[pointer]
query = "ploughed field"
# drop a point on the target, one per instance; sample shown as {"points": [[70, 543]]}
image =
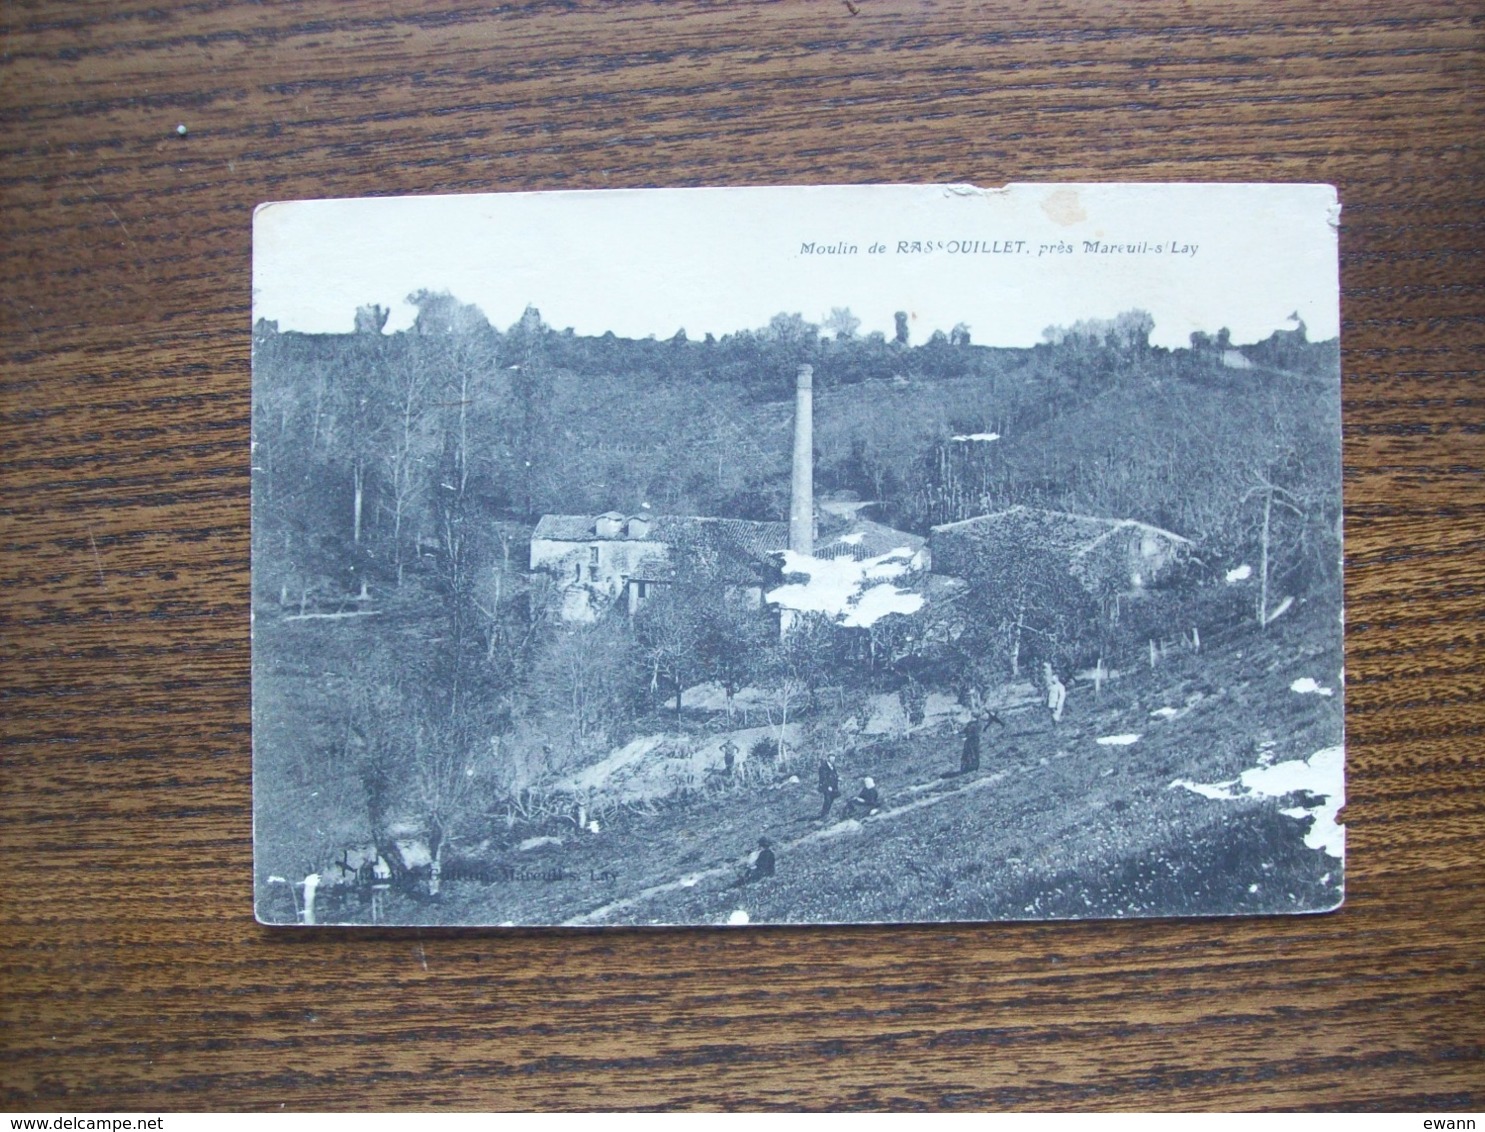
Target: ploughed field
{"points": [[1055, 824]]}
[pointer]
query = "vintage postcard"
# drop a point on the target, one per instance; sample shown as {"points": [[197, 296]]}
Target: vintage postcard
{"points": [[797, 555]]}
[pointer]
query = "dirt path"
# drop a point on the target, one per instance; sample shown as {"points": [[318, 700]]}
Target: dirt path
{"points": [[836, 829]]}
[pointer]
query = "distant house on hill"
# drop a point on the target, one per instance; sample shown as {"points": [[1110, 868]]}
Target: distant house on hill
{"points": [[595, 562], [1109, 557]]}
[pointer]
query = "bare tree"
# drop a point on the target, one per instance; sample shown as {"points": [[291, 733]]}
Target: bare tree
{"points": [[1273, 496], [785, 689], [443, 783], [669, 627], [371, 318], [583, 677], [1289, 475], [357, 431], [405, 455], [842, 323], [732, 636]]}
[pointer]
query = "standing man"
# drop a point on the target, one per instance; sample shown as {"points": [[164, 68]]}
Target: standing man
{"points": [[1056, 693], [729, 757], [969, 759], [829, 787]]}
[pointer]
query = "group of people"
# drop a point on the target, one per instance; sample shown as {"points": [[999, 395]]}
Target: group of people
{"points": [[761, 862], [868, 800]]}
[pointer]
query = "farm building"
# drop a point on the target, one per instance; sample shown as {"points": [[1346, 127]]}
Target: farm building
{"points": [[850, 575], [596, 562], [1108, 557]]}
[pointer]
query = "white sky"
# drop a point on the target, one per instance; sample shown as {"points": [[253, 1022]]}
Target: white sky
{"points": [[641, 262]]}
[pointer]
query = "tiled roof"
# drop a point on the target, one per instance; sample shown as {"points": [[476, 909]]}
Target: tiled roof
{"points": [[565, 528], [743, 535], [865, 539]]}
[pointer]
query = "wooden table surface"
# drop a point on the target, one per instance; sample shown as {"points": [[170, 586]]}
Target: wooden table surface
{"points": [[132, 975]]}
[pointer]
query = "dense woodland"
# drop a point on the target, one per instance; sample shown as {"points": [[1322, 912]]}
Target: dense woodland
{"points": [[371, 448], [400, 474]]}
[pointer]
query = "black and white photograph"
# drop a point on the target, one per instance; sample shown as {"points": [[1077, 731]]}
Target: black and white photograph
{"points": [[871, 554]]}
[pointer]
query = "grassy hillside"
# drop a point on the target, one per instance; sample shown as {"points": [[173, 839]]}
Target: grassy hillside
{"points": [[1054, 825], [419, 699]]}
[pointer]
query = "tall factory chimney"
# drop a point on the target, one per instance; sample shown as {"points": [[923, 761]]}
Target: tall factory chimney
{"points": [[802, 485]]}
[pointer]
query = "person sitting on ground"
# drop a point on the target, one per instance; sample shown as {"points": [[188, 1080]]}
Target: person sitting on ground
{"points": [[829, 787], [869, 801], [760, 863]]}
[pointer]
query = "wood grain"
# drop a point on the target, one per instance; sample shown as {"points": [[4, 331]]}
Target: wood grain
{"points": [[131, 973]]}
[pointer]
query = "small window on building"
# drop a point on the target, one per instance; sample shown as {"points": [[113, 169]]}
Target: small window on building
{"points": [[592, 556], [644, 590], [577, 573]]}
